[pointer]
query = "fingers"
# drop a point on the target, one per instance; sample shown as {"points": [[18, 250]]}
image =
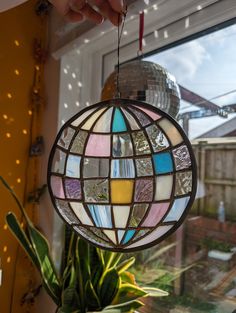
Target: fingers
{"points": [[110, 9], [86, 11], [106, 10], [73, 16], [117, 5]]}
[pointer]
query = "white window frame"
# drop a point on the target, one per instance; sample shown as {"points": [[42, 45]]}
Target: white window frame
{"points": [[97, 57]]}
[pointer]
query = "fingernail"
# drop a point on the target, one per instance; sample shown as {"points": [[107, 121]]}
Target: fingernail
{"points": [[102, 20]]}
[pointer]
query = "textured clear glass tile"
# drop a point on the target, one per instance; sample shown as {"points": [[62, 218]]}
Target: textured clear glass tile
{"points": [[163, 163], [118, 123], [90, 236], [128, 236], [181, 158], [98, 232], [58, 163], [141, 233], [156, 213], [92, 119], [73, 166], [177, 209], [66, 137], [122, 168], [95, 167], [183, 183], [121, 215], [171, 131], [96, 190], [72, 188], [98, 145], [103, 125], [122, 145], [143, 190], [66, 212], [82, 117], [138, 212], [140, 143], [150, 113], [57, 187], [144, 167], [101, 215], [132, 122], [78, 142], [158, 139], [164, 185], [81, 213], [143, 119], [154, 235]]}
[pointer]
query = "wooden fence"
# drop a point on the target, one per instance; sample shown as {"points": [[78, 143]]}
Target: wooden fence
{"points": [[216, 159]]}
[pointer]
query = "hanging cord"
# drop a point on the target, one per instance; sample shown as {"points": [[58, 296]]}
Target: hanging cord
{"points": [[141, 31], [120, 32]]}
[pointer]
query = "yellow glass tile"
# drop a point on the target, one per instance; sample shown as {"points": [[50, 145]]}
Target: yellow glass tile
{"points": [[121, 191]]}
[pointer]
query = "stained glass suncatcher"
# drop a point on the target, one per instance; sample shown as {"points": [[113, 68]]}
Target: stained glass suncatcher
{"points": [[122, 174]]}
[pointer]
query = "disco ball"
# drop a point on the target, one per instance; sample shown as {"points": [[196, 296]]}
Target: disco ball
{"points": [[122, 174], [145, 81]]}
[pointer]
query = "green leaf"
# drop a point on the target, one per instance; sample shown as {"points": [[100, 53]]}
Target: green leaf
{"points": [[108, 286], [83, 255], [22, 238], [124, 307], [41, 249], [127, 277], [47, 268], [155, 292], [128, 292], [122, 267], [96, 266], [91, 296]]}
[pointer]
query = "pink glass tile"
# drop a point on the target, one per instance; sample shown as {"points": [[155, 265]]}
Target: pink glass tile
{"points": [[156, 213], [57, 188], [143, 190], [98, 145], [153, 115]]}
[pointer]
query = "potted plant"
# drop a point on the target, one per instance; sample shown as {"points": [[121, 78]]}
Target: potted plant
{"points": [[90, 279]]}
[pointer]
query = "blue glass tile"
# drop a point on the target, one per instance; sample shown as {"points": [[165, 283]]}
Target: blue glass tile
{"points": [[128, 236], [163, 163], [101, 215], [118, 124], [177, 209], [73, 166], [122, 168], [120, 234]]}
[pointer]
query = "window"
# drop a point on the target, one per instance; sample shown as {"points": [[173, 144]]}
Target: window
{"points": [[195, 41]]}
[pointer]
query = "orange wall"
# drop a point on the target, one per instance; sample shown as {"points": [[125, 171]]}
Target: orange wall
{"points": [[18, 28]]}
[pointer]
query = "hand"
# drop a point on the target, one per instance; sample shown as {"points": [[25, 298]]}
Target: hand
{"points": [[77, 10]]}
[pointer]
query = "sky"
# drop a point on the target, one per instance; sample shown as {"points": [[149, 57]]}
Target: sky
{"points": [[207, 66]]}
